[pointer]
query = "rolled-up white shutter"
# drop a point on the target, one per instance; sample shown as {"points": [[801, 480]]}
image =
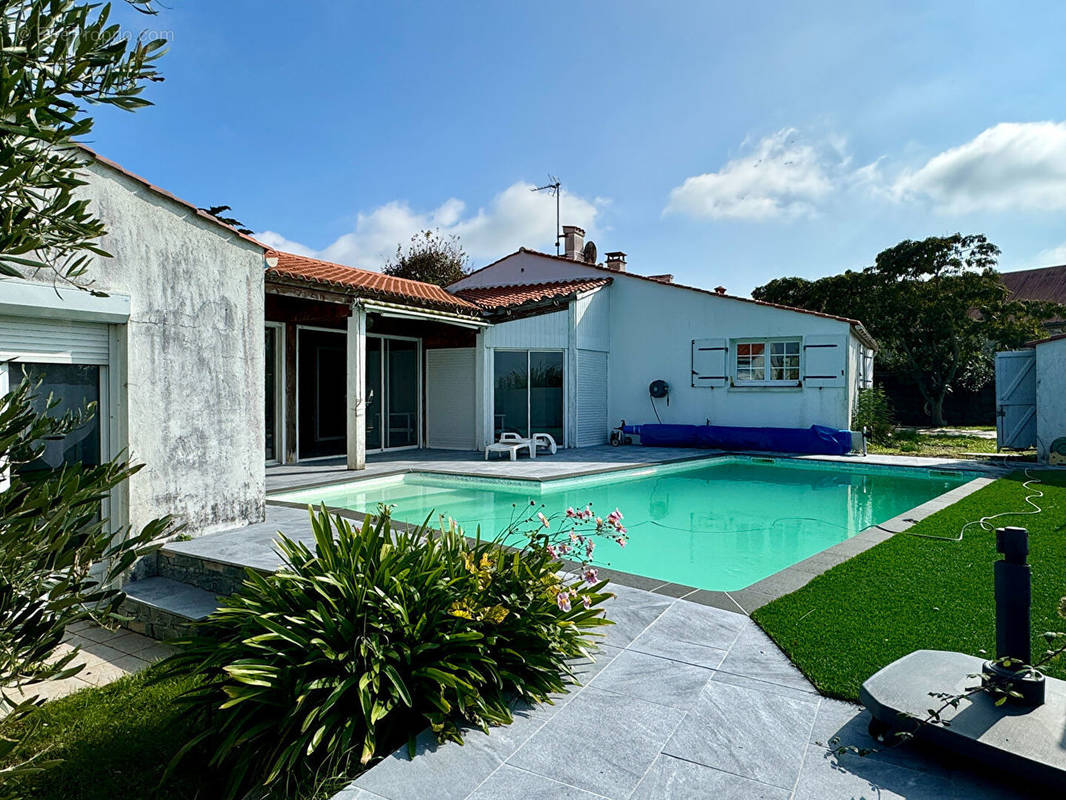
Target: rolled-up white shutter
{"points": [[824, 360], [53, 341], [591, 398], [710, 364], [450, 418]]}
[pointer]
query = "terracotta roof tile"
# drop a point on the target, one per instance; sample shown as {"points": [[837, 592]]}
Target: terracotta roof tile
{"points": [[303, 268], [496, 297]]}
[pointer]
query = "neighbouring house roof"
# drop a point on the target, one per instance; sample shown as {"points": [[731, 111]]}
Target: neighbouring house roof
{"points": [[164, 193], [1057, 337], [364, 282], [1047, 284], [493, 298], [857, 327]]}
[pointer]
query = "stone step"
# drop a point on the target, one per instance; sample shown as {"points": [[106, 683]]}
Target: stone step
{"points": [[217, 577], [164, 608]]}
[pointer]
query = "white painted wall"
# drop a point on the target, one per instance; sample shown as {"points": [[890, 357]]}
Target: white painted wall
{"points": [[1050, 395], [193, 355]]}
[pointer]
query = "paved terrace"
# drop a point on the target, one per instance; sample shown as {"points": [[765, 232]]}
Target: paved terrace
{"points": [[685, 701]]}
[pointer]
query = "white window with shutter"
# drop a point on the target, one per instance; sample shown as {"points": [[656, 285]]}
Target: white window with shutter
{"points": [[824, 360], [710, 359]]}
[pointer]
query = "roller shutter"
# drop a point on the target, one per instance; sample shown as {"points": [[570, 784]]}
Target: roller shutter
{"points": [[591, 398], [53, 341], [450, 415]]}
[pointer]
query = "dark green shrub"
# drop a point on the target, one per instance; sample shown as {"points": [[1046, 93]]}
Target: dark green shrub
{"points": [[355, 646], [874, 412]]}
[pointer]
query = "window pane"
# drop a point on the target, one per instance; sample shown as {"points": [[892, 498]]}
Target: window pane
{"points": [[373, 393], [322, 365], [743, 350], [511, 384], [792, 347], [757, 348], [777, 347], [401, 376], [546, 394], [74, 385]]}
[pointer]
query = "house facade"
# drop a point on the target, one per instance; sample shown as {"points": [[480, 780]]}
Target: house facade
{"points": [[173, 355]]}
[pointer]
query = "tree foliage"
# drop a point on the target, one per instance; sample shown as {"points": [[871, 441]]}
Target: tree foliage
{"points": [[219, 213], [59, 555], [58, 57], [937, 308], [430, 257]]}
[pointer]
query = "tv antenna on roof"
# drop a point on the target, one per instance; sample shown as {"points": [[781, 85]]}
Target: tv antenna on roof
{"points": [[556, 188]]}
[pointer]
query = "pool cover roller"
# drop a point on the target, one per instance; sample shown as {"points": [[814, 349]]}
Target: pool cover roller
{"points": [[815, 440]]}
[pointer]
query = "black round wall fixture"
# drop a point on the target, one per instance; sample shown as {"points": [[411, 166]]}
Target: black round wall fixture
{"points": [[659, 389]]}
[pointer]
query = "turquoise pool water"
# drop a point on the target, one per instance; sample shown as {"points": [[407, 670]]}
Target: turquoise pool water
{"points": [[719, 525]]}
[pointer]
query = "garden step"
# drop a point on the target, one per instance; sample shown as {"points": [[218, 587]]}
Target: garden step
{"points": [[164, 608], [216, 577]]}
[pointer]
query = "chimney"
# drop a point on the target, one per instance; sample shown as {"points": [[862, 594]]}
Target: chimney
{"points": [[662, 278], [616, 261], [574, 241]]}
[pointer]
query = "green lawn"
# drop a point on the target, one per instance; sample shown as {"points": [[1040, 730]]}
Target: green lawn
{"points": [[910, 593], [912, 443], [116, 741]]}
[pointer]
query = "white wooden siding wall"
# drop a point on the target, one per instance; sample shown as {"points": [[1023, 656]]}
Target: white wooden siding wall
{"points": [[546, 331], [591, 398], [451, 398], [593, 314], [53, 341]]}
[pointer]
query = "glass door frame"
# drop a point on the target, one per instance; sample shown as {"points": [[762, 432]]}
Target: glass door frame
{"points": [[340, 332], [279, 391], [529, 412], [382, 388]]}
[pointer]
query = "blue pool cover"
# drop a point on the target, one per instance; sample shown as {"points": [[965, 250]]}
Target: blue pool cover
{"points": [[815, 440]]}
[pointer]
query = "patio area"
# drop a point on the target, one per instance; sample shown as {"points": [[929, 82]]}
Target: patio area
{"points": [[684, 702]]}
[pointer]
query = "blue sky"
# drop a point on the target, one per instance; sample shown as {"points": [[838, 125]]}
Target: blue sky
{"points": [[726, 143]]}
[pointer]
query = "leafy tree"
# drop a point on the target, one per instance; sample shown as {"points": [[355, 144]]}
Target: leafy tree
{"points": [[58, 57], [59, 556], [937, 308], [430, 257], [219, 213]]}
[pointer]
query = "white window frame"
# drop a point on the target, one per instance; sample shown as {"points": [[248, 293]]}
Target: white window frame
{"points": [[529, 413], [766, 342]]}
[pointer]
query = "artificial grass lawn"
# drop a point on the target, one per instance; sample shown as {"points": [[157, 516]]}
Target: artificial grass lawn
{"points": [[116, 742], [909, 593]]}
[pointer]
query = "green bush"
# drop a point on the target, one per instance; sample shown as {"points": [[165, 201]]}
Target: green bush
{"points": [[357, 645], [873, 411]]}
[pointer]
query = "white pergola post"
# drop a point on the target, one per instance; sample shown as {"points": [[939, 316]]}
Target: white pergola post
{"points": [[355, 388]]}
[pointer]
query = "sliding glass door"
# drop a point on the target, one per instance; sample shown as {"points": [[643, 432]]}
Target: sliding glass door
{"points": [[393, 392], [321, 368], [528, 392]]}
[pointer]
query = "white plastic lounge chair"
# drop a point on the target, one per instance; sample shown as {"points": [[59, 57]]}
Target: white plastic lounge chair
{"points": [[545, 440], [511, 443]]}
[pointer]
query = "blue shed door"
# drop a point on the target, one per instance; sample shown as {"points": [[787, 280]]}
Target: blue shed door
{"points": [[1016, 399]]}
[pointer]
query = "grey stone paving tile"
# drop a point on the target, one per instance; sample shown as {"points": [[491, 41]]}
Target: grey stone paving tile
{"points": [[750, 599], [754, 655], [601, 742], [355, 793], [824, 777], [511, 783], [631, 611], [657, 680], [675, 779], [719, 600], [753, 734], [170, 595], [763, 686], [672, 590], [692, 633], [444, 772], [783, 582]]}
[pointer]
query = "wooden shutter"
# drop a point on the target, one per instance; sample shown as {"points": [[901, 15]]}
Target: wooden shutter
{"points": [[710, 362], [824, 360]]}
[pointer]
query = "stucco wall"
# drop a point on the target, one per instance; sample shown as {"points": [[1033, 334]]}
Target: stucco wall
{"points": [[194, 355], [1050, 394]]}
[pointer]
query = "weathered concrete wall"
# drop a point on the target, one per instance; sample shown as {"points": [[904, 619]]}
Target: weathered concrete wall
{"points": [[194, 355], [1050, 395]]}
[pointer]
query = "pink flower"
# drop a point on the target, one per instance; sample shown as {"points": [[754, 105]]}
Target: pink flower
{"points": [[591, 575], [573, 537], [589, 547], [586, 601], [543, 519], [614, 517], [563, 601], [551, 551], [621, 541], [570, 512], [622, 530]]}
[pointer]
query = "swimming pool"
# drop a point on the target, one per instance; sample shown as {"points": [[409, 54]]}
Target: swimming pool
{"points": [[719, 524]]}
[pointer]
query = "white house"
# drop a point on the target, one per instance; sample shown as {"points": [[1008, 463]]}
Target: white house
{"points": [[173, 354], [728, 360]]}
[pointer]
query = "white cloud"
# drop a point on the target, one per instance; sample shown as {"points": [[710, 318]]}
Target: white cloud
{"points": [[780, 176], [1010, 166], [1052, 256], [516, 217]]}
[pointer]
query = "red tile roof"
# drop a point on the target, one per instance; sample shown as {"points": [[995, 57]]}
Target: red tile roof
{"points": [[386, 287], [496, 297], [859, 329], [1047, 284]]}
